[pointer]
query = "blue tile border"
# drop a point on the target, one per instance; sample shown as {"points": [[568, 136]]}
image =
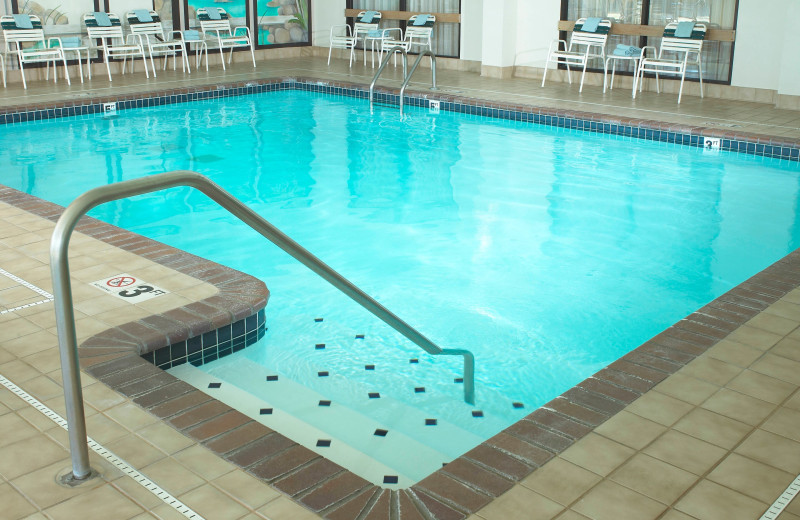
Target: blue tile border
{"points": [[212, 345], [764, 146]]}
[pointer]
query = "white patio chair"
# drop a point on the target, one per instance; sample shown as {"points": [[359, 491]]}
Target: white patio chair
{"points": [[366, 21], [588, 42], [24, 38], [681, 46], [216, 27], [107, 28], [342, 38], [147, 23]]}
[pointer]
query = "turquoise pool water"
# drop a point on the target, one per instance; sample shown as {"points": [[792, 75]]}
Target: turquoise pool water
{"points": [[547, 252]]}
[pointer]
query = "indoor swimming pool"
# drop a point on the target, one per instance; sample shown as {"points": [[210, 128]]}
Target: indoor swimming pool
{"points": [[547, 252]]}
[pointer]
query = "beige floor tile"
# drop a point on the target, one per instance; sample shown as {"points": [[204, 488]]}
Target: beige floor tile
{"points": [[793, 507], [14, 505], [597, 454], [734, 353], [135, 450], [752, 478], [687, 389], [104, 430], [788, 348], [165, 438], [44, 361], [251, 492], [210, 502], [167, 512], [42, 388], [786, 308], [41, 488], [713, 428], [283, 508], [611, 501], [740, 407], [203, 462], [31, 344], [710, 501], [773, 450], [98, 504], [571, 515], [712, 370], [779, 368], [672, 514], [172, 476], [15, 328], [793, 402], [561, 481], [130, 416], [784, 422], [654, 478], [520, 501], [29, 455], [13, 429], [761, 386], [101, 397], [773, 323], [755, 337], [18, 372], [139, 494], [630, 429], [685, 452]]}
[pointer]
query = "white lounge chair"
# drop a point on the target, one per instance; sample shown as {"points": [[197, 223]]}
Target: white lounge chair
{"points": [[588, 42], [216, 27], [24, 38], [147, 23], [681, 46], [418, 35], [365, 22], [107, 28]]}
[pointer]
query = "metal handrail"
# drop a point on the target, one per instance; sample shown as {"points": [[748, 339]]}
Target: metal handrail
{"points": [[411, 73], [65, 315], [396, 48]]}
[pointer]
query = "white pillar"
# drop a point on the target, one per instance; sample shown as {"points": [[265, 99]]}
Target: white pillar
{"points": [[499, 45]]}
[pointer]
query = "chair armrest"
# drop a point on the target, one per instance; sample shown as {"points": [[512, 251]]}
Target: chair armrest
{"points": [[246, 30], [558, 46], [348, 30], [134, 37], [644, 51]]}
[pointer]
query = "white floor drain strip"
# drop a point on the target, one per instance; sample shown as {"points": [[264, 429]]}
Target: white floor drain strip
{"points": [[48, 297], [782, 501], [109, 456]]}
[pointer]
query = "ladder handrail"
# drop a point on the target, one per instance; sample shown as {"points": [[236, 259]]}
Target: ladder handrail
{"points": [[65, 316], [396, 48], [411, 73]]}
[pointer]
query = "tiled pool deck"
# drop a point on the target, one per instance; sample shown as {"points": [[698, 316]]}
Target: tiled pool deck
{"points": [[700, 422]]}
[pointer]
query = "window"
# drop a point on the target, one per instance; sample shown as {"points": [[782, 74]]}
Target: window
{"points": [[446, 35], [717, 14]]}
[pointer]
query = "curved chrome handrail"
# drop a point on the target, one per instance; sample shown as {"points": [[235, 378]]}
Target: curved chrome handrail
{"points": [[65, 313], [396, 48], [411, 73]]}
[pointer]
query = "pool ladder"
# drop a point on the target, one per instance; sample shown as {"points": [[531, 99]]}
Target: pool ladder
{"points": [[65, 312], [406, 75]]}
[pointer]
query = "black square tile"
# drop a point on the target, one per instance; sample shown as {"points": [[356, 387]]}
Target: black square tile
{"points": [[390, 479], [359, 336], [272, 378], [319, 346], [323, 443], [458, 380], [265, 411], [419, 390], [477, 413], [324, 373], [369, 367], [413, 361], [518, 405], [324, 402], [430, 422], [374, 395], [318, 320], [380, 432], [214, 385]]}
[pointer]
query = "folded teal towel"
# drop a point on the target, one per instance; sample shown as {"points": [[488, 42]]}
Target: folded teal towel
{"points": [[23, 21], [684, 30], [421, 19], [590, 25], [69, 42], [368, 16], [191, 34], [143, 15], [626, 50], [213, 13], [102, 19]]}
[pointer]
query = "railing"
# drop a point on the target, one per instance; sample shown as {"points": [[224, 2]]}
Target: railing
{"points": [[65, 313], [406, 74], [382, 66], [411, 73]]}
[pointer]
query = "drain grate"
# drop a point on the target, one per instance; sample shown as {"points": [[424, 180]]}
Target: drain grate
{"points": [[782, 501], [109, 456]]}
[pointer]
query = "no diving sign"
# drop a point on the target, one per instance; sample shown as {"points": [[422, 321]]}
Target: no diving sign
{"points": [[129, 288]]}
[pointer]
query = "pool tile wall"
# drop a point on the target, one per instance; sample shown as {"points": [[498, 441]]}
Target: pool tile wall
{"points": [[696, 136]]}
